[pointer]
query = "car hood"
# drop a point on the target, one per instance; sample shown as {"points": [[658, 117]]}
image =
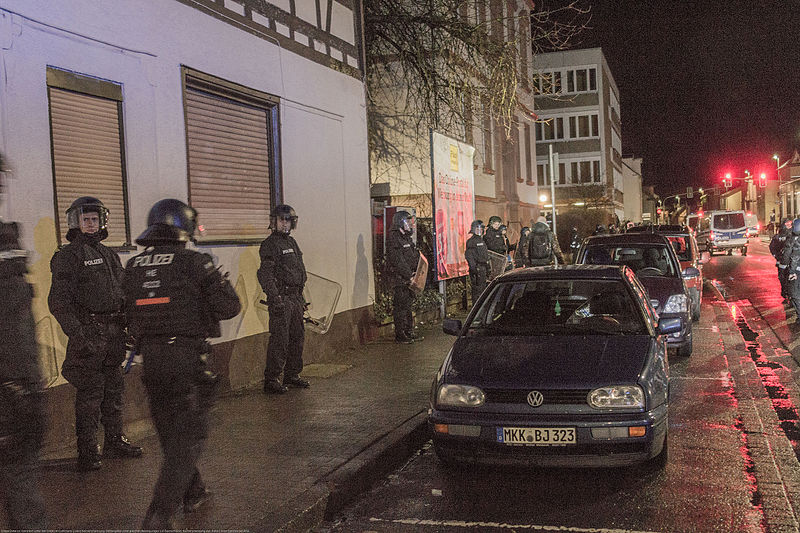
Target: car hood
{"points": [[662, 287], [560, 361]]}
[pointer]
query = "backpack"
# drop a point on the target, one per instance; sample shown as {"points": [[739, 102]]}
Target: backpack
{"points": [[539, 246]]}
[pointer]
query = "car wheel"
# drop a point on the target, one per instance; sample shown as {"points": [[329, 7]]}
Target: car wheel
{"points": [[685, 350], [696, 312]]}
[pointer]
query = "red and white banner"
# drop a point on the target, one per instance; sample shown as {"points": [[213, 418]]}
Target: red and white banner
{"points": [[453, 203]]}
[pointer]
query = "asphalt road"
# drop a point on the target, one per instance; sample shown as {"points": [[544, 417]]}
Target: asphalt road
{"points": [[733, 445]]}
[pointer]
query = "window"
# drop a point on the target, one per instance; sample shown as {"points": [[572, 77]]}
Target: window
{"points": [[582, 172], [88, 148], [541, 175], [562, 174], [550, 129], [584, 126], [582, 80], [528, 162], [547, 82], [488, 154], [233, 154]]}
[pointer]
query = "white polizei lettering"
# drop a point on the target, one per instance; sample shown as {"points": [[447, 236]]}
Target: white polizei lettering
{"points": [[406, 246], [480, 244], [92, 262], [289, 251], [500, 525], [151, 284], [153, 260]]}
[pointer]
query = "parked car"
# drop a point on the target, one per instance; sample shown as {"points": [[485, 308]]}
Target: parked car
{"points": [[685, 246], [556, 366], [753, 226], [722, 231], [654, 261]]}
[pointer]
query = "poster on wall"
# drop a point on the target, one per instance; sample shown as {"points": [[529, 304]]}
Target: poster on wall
{"points": [[453, 203]]}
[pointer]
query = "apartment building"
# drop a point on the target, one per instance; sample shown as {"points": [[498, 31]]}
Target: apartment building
{"points": [[577, 102]]}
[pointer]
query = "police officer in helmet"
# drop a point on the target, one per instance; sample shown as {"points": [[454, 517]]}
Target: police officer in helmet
{"points": [[175, 299], [282, 276], [87, 300], [477, 257], [23, 419], [402, 258], [791, 258]]}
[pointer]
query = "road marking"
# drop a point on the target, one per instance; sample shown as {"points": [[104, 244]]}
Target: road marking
{"points": [[499, 525]]}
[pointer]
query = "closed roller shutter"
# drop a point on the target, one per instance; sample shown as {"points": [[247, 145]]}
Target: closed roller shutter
{"points": [[87, 157], [229, 165]]}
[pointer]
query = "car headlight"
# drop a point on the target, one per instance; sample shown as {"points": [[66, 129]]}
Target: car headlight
{"points": [[676, 304], [460, 396], [619, 397]]}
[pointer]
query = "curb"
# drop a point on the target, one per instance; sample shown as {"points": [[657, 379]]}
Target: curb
{"points": [[331, 494]]}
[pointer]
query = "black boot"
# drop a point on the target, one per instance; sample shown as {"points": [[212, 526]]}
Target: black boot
{"points": [[296, 381], [273, 386], [155, 521], [89, 457], [119, 446]]}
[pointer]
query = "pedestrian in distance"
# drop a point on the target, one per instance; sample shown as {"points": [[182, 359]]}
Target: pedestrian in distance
{"points": [[574, 244], [521, 255], [282, 276], [22, 423], [175, 300], [776, 244], [402, 259], [478, 259], [599, 230], [87, 300], [543, 248]]}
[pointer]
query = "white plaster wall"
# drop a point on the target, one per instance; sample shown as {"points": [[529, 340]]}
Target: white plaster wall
{"points": [[142, 45]]}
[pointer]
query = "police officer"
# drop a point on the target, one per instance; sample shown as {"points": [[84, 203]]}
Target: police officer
{"points": [[495, 240], [402, 259], [776, 244], [543, 247], [574, 243], [282, 276], [175, 299], [791, 258], [478, 259], [521, 254], [22, 417], [86, 298]]}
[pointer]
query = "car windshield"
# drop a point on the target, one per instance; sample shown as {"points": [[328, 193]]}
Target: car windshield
{"points": [[680, 243], [729, 221], [643, 259], [559, 307]]}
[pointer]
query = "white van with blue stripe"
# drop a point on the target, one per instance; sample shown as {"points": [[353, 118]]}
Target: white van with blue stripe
{"points": [[721, 231]]}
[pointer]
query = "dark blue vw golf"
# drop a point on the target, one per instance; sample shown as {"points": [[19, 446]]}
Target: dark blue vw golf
{"points": [[556, 366]]}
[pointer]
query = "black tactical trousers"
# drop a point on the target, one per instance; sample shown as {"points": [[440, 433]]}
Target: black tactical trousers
{"points": [[478, 280], [286, 339], [180, 415], [21, 435], [403, 319], [98, 398], [782, 278]]}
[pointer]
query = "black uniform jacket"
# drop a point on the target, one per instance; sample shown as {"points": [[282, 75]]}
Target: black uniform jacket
{"points": [[172, 291], [282, 270], [477, 255], [402, 258], [496, 241]]}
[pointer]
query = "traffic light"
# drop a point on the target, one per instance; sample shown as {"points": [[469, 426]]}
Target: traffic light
{"points": [[727, 181], [762, 180], [658, 211]]}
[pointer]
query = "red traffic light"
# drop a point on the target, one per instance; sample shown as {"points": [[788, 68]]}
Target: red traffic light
{"points": [[762, 180], [727, 181], [658, 211]]}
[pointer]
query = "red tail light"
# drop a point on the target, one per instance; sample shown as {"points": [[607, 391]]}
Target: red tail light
{"points": [[711, 235]]}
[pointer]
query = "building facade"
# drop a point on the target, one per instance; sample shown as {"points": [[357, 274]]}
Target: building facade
{"points": [[789, 187], [233, 106], [504, 176], [578, 106], [632, 185]]}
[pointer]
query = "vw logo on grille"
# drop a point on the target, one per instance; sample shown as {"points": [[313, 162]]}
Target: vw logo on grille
{"points": [[535, 398]]}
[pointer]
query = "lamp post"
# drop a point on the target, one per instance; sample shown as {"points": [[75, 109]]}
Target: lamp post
{"points": [[777, 159]]}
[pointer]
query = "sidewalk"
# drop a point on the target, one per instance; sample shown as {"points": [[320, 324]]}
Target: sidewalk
{"points": [[274, 462]]}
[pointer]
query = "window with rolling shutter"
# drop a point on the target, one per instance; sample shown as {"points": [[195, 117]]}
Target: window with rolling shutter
{"points": [[231, 140], [87, 146]]}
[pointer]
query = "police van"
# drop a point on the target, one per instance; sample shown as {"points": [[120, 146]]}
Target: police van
{"points": [[720, 231]]}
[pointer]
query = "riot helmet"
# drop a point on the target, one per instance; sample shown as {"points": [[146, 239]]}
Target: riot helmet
{"points": [[524, 231], [477, 227], [170, 221], [283, 212], [796, 226], [81, 206], [503, 229], [495, 220], [404, 221]]}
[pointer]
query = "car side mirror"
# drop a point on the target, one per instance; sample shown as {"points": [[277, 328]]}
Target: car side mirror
{"points": [[451, 326], [669, 325], [690, 272]]}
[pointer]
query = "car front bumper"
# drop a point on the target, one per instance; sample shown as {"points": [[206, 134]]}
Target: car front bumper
{"points": [[592, 447]]}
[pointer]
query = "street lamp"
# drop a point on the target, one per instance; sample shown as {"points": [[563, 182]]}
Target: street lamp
{"points": [[542, 198], [777, 159]]}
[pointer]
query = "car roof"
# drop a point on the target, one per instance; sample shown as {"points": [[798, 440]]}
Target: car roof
{"points": [[628, 238], [566, 272]]}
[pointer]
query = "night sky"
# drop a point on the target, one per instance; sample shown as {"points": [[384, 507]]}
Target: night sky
{"points": [[706, 86]]}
